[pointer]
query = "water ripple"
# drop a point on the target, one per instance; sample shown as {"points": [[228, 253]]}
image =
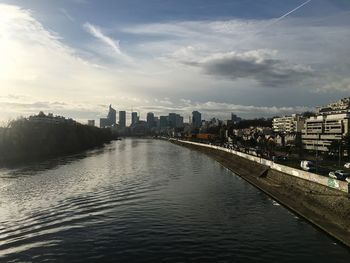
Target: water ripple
{"points": [[147, 201]]}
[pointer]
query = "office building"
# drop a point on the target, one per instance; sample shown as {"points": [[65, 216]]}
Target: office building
{"points": [[110, 120], [122, 119], [172, 120], [91, 122], [156, 122], [134, 118], [150, 120], [163, 122], [104, 123], [179, 121], [112, 115], [196, 119]]}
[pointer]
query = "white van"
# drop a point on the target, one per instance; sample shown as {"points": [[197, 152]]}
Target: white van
{"points": [[307, 165]]}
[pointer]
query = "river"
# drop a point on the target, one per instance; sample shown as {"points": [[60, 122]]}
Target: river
{"points": [[144, 200]]}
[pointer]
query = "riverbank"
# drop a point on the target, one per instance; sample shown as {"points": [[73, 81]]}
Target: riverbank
{"points": [[25, 140], [325, 207]]}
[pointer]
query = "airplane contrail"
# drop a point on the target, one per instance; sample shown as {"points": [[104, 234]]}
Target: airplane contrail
{"points": [[276, 20], [290, 12]]}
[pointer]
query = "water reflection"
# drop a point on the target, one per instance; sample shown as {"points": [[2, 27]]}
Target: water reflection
{"points": [[148, 201], [32, 168]]}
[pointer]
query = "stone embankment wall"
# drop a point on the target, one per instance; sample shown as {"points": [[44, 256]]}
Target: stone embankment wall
{"points": [[313, 197], [340, 185]]}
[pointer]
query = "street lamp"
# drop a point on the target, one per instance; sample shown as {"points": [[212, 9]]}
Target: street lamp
{"points": [[339, 154], [316, 154]]}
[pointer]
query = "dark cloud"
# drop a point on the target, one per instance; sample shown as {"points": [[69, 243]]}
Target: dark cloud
{"points": [[270, 72]]}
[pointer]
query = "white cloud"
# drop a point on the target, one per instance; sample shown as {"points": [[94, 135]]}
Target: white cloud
{"points": [[234, 62], [35, 62], [67, 14], [97, 33], [341, 85], [211, 109]]}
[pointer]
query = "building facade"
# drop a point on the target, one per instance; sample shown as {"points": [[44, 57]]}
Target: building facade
{"points": [[150, 120], [288, 124], [163, 122], [172, 120], [91, 122], [112, 115], [122, 119], [110, 120], [321, 130], [340, 106], [134, 118], [49, 119], [179, 122], [196, 119]]}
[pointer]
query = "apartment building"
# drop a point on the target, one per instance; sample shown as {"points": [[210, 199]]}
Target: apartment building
{"points": [[288, 124], [321, 130]]}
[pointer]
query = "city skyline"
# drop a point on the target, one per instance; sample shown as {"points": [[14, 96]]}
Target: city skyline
{"points": [[254, 59], [128, 118]]}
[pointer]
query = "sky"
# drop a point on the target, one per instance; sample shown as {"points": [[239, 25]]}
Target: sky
{"points": [[255, 58]]}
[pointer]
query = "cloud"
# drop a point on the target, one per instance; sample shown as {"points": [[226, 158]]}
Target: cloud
{"points": [[221, 110], [289, 13], [262, 65], [80, 112], [67, 15], [209, 63], [163, 101], [81, 1], [259, 65], [97, 33], [37, 66], [336, 85]]}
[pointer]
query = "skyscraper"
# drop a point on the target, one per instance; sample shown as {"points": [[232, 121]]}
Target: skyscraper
{"points": [[196, 119], [163, 122], [134, 118], [179, 121], [112, 116], [172, 120], [122, 119], [150, 120]]}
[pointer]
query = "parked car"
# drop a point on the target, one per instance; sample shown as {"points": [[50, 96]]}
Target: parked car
{"points": [[307, 165], [347, 165], [282, 158], [339, 175]]}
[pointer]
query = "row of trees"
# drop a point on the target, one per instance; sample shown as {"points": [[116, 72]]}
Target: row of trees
{"points": [[260, 122], [338, 148], [24, 140]]}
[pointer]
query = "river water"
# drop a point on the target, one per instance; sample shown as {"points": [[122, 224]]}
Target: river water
{"points": [[141, 200]]}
